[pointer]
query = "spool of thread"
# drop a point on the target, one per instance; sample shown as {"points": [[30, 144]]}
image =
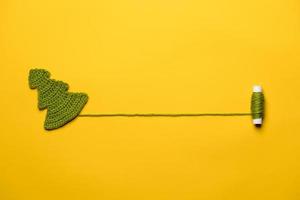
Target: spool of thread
{"points": [[257, 105]]}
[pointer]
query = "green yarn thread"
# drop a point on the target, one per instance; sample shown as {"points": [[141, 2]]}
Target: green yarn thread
{"points": [[165, 114], [63, 106], [257, 105]]}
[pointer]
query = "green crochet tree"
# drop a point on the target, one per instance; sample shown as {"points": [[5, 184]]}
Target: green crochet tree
{"points": [[63, 106]]}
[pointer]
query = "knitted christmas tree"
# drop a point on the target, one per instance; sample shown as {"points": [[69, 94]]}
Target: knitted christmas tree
{"points": [[63, 106]]}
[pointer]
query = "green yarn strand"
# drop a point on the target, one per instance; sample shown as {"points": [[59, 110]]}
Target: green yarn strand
{"points": [[164, 114]]}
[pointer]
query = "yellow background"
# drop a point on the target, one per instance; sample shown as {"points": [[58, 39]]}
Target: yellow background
{"points": [[152, 56]]}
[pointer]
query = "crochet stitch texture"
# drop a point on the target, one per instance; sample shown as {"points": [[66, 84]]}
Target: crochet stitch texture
{"points": [[62, 106]]}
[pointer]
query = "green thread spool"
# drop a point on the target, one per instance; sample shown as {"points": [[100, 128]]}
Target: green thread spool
{"points": [[257, 105]]}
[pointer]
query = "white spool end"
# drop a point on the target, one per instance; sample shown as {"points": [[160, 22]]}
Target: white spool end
{"points": [[257, 121], [257, 88]]}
